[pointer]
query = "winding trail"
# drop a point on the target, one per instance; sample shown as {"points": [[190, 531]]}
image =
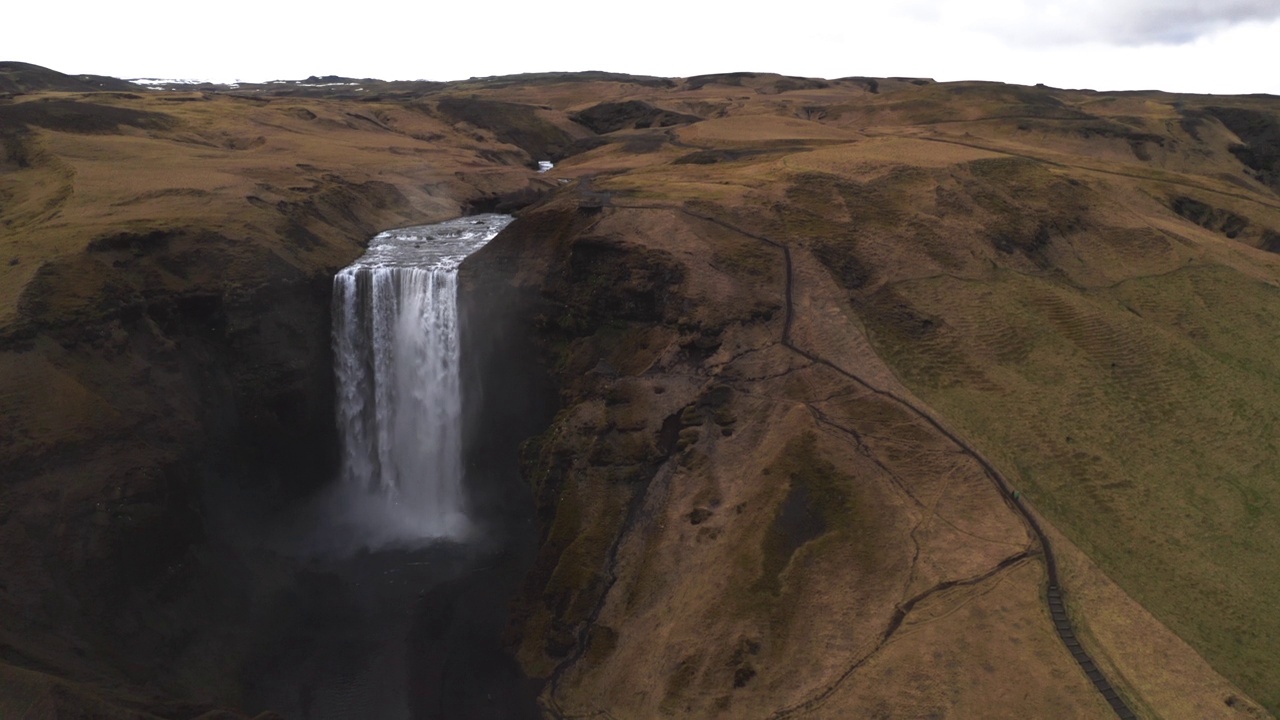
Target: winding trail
{"points": [[1053, 596], [899, 615]]}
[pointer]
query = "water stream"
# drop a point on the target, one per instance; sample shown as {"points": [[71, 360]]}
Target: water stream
{"points": [[385, 595], [396, 354]]}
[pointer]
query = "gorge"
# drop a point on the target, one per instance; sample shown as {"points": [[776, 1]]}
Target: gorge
{"points": [[407, 619]]}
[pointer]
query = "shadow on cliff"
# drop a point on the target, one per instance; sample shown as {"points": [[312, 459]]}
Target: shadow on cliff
{"points": [[320, 626]]}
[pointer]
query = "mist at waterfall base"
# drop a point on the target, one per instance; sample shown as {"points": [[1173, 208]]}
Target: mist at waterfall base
{"points": [[385, 595]]}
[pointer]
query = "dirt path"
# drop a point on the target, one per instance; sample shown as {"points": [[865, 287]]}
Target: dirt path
{"points": [[1053, 596], [1053, 593]]}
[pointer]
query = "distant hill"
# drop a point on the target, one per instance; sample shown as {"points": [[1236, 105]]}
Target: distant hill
{"points": [[19, 77]]}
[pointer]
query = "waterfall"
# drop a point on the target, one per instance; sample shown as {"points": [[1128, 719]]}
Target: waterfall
{"points": [[396, 358]]}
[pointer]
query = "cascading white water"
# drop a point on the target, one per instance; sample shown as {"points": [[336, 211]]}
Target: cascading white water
{"points": [[396, 355]]}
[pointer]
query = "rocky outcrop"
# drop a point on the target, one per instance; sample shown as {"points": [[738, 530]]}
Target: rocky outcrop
{"points": [[1259, 133], [514, 123], [632, 114]]}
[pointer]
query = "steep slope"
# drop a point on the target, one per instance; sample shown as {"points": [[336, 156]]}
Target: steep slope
{"points": [[721, 500], [701, 495]]}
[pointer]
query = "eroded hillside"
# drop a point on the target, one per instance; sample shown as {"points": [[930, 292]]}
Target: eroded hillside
{"points": [[836, 359], [837, 306]]}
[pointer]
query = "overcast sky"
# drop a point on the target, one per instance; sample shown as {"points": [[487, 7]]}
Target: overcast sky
{"points": [[1206, 46]]}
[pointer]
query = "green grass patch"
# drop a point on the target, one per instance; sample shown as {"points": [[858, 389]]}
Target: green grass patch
{"points": [[1141, 420]]}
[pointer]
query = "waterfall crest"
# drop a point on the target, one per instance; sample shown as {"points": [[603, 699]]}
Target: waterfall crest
{"points": [[396, 357]]}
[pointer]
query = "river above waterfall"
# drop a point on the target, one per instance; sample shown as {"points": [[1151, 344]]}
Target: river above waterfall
{"points": [[399, 399], [442, 245]]}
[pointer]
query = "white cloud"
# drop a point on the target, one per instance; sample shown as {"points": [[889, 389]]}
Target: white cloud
{"points": [[1112, 22]]}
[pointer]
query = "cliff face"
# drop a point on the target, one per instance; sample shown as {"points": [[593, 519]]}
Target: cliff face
{"points": [[806, 339]]}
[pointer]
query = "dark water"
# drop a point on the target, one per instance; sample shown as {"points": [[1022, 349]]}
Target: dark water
{"points": [[391, 635]]}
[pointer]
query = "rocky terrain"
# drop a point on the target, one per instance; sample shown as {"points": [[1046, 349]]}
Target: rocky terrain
{"points": [[878, 397]]}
